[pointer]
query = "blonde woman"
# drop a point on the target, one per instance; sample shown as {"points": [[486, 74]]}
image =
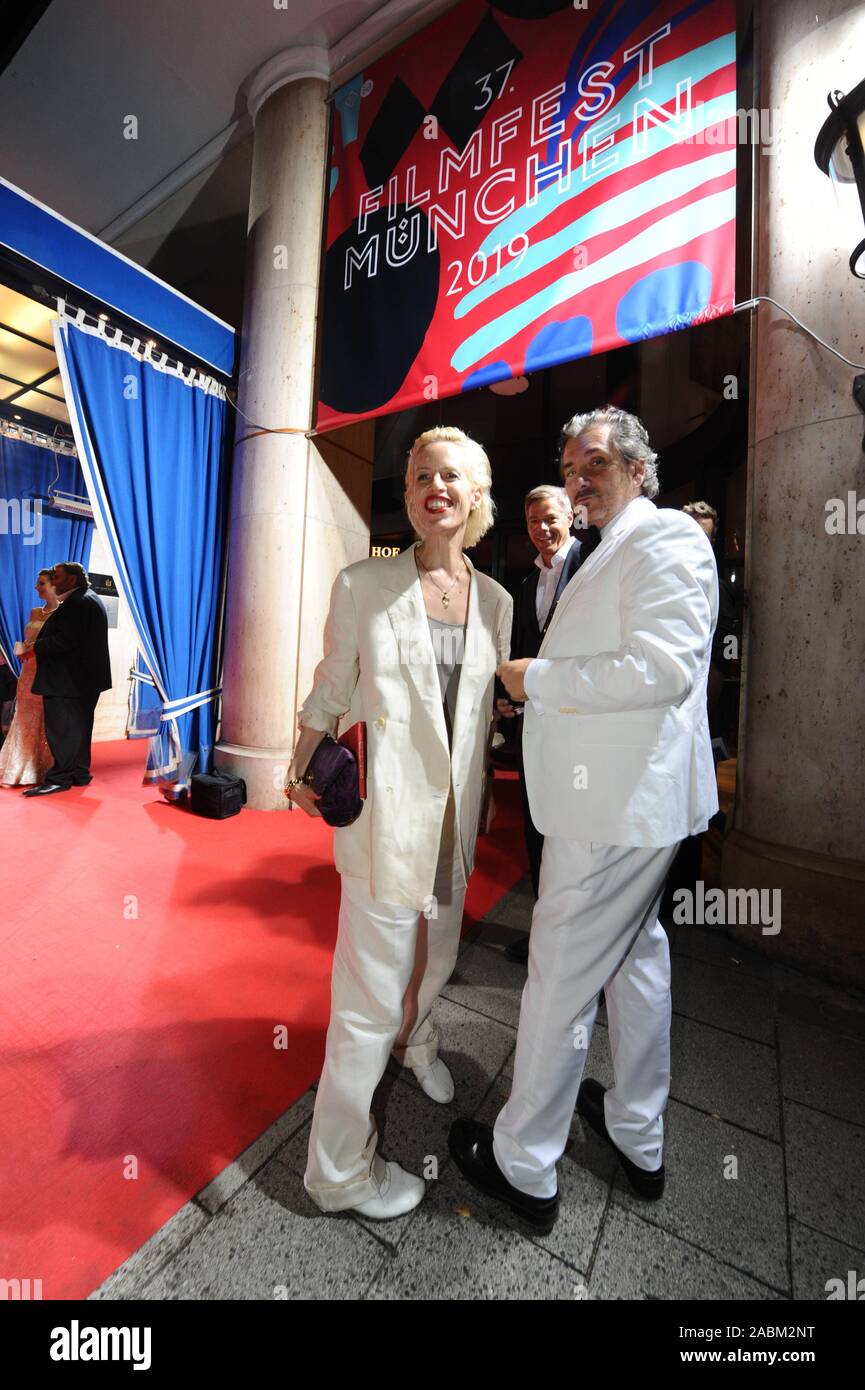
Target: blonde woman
{"points": [[25, 757], [410, 647]]}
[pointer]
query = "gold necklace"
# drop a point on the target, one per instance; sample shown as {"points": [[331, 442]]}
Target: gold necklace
{"points": [[444, 592]]}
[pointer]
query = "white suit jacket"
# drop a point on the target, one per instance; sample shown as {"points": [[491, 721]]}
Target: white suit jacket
{"points": [[616, 740], [379, 666]]}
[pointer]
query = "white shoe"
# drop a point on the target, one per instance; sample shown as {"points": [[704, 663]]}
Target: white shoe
{"points": [[436, 1081], [398, 1192]]}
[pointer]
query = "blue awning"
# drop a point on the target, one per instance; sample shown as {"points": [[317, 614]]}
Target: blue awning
{"points": [[35, 234]]}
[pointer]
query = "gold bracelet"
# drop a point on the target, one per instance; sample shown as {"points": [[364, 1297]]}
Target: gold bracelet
{"points": [[290, 786]]}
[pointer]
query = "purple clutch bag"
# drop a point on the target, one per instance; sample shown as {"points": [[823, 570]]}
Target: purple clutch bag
{"points": [[333, 774]]}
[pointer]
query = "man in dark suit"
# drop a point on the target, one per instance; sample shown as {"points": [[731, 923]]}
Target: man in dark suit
{"points": [[72, 667], [549, 519], [707, 518], [687, 867]]}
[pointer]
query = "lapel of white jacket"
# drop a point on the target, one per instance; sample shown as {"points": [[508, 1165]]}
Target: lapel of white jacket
{"points": [[479, 660], [414, 650], [625, 522]]}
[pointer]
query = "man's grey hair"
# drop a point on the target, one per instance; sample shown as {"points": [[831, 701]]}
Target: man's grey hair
{"points": [[547, 493], [627, 433]]}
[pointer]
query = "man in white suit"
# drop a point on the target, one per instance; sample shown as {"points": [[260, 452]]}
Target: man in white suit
{"points": [[619, 770]]}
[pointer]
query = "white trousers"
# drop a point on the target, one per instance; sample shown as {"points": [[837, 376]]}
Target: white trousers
{"points": [[595, 924], [390, 965]]}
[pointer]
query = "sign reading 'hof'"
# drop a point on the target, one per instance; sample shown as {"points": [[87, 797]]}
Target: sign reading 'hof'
{"points": [[523, 183]]}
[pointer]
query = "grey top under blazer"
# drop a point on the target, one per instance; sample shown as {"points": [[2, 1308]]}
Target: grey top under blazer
{"points": [[379, 666]]}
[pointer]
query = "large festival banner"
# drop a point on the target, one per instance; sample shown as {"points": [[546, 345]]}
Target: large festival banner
{"points": [[523, 183]]}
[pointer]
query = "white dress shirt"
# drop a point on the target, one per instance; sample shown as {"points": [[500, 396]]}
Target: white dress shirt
{"points": [[549, 580]]}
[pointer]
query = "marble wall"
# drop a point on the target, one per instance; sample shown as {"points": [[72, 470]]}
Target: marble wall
{"points": [[801, 805]]}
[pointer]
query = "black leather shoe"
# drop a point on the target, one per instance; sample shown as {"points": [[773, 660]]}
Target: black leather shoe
{"points": [[45, 789], [518, 950], [471, 1146], [590, 1105]]}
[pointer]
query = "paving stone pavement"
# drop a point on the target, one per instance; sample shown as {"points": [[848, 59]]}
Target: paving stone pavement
{"points": [[765, 1156]]}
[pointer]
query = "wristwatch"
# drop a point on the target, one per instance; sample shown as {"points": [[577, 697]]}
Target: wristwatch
{"points": [[295, 782]]}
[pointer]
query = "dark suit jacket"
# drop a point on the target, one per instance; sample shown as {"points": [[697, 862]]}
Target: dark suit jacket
{"points": [[72, 648], [726, 626], [526, 636]]}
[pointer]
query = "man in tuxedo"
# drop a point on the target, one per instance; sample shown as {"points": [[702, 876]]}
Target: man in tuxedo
{"points": [[618, 771], [72, 668], [549, 519]]}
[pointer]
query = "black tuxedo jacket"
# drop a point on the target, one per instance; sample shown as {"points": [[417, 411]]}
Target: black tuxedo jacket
{"points": [[526, 635], [72, 649]]}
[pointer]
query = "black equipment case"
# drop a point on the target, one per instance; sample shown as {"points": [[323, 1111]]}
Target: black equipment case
{"points": [[217, 795]]}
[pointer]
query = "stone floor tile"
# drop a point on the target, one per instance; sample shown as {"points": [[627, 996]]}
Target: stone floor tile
{"points": [[826, 1173], [823, 1069], [713, 946], [817, 1259], [741, 1004], [637, 1261], [726, 1075], [809, 1000], [741, 1220]]}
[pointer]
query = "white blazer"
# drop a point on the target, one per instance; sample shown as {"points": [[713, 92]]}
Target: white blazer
{"points": [[616, 740], [379, 666]]}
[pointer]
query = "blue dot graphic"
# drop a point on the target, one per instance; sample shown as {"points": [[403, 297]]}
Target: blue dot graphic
{"points": [[664, 299], [560, 342]]}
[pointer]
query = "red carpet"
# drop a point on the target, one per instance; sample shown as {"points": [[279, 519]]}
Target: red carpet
{"points": [[150, 961]]}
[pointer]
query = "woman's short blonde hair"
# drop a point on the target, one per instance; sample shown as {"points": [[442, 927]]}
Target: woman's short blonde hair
{"points": [[480, 473]]}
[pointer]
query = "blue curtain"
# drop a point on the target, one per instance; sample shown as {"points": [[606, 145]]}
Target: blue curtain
{"points": [[32, 536], [153, 450]]}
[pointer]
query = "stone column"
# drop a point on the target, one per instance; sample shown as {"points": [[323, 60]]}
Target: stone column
{"points": [[299, 508], [799, 824]]}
